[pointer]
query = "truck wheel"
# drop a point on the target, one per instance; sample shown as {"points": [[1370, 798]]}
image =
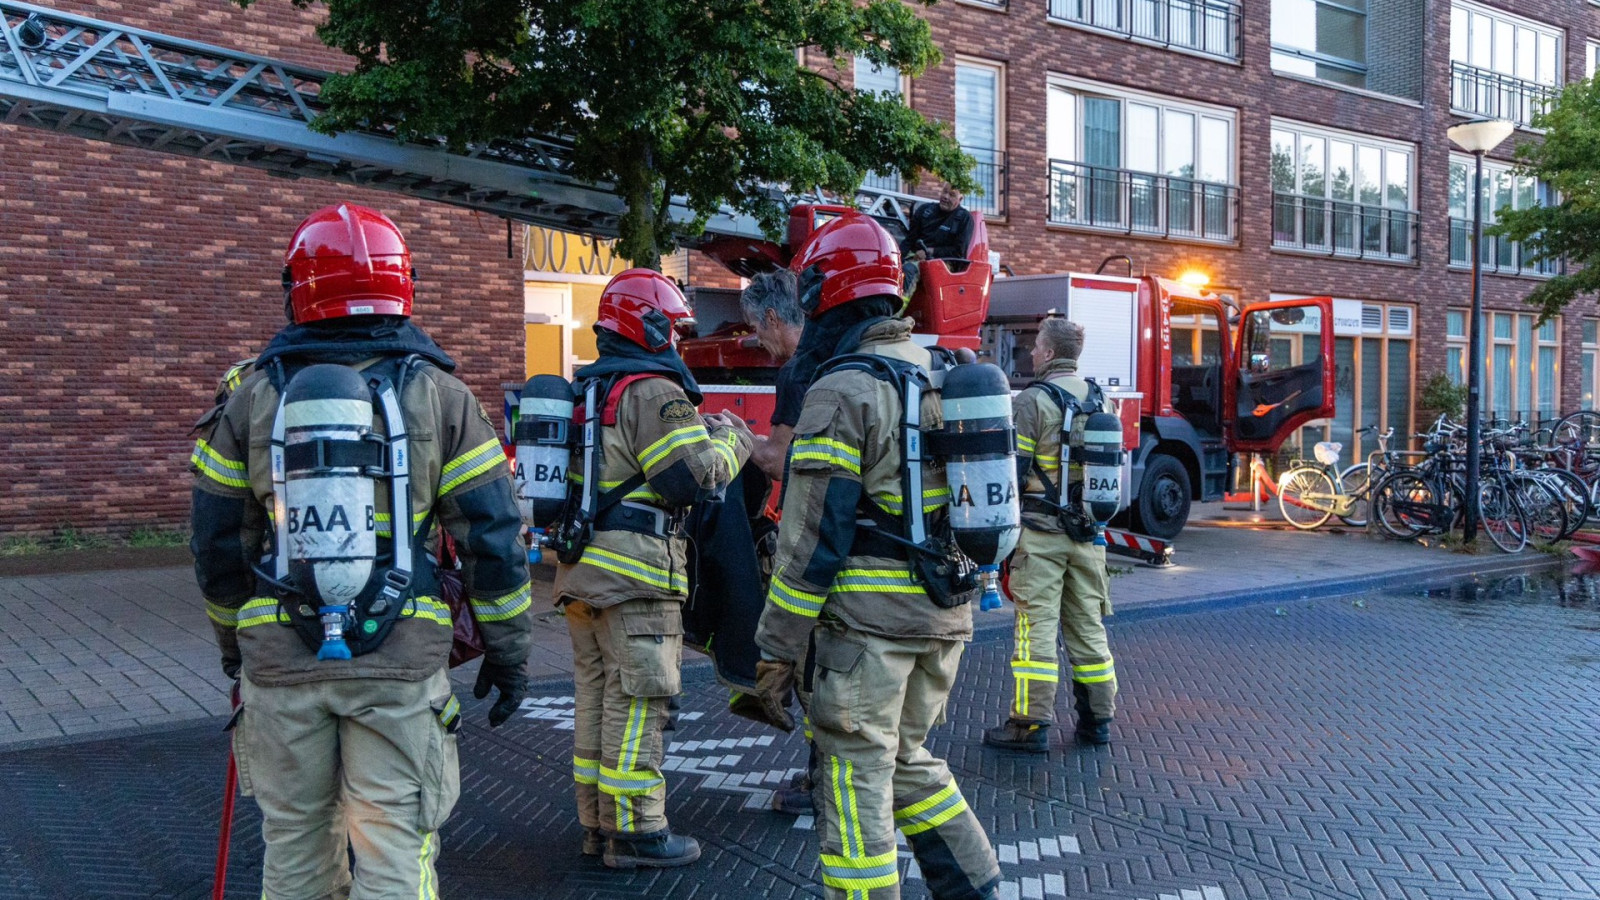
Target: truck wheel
{"points": [[1162, 506]]}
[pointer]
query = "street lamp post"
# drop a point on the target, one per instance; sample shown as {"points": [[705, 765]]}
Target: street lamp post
{"points": [[1476, 137]]}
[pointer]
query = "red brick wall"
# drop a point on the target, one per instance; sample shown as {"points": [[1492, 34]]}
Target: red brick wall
{"points": [[1031, 48], [132, 279]]}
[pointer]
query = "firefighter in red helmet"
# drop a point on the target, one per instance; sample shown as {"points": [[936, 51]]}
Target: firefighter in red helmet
{"points": [[622, 579], [315, 506], [877, 628]]}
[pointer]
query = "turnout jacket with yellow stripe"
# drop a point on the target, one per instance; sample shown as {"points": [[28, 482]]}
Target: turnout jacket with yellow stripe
{"points": [[846, 452], [1037, 419], [458, 473], [658, 432]]}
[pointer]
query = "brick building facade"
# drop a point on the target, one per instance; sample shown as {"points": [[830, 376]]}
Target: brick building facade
{"points": [[1376, 76], [133, 279]]}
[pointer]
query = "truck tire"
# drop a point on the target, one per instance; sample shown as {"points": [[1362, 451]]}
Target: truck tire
{"points": [[1162, 507]]}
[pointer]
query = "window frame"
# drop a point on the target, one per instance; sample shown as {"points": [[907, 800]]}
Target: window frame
{"points": [[1518, 25], [1318, 58], [1383, 148], [1200, 111], [994, 205], [1458, 347], [1492, 168]]}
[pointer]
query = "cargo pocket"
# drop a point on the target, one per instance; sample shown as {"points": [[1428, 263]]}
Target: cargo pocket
{"points": [[240, 727], [441, 772], [652, 645], [836, 684]]}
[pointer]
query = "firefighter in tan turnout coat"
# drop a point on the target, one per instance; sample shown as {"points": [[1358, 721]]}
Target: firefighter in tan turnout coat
{"points": [[623, 597], [874, 655]]}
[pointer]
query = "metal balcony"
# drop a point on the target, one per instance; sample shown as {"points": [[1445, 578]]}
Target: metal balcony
{"points": [[1140, 203], [1343, 228], [1212, 27], [1491, 95], [1500, 255]]}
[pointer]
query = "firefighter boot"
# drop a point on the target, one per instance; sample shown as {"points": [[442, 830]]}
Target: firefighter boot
{"points": [[661, 850], [1028, 737], [594, 843], [1090, 730], [794, 798]]}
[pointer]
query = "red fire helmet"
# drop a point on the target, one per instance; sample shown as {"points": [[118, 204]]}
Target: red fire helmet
{"points": [[347, 260], [645, 307], [846, 259]]}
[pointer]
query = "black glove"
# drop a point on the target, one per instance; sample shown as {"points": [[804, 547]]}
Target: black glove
{"points": [[230, 668], [513, 684]]}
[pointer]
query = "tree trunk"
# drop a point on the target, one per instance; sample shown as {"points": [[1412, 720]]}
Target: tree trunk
{"points": [[637, 241]]}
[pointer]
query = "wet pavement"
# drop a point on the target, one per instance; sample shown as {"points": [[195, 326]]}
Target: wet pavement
{"points": [[1405, 743]]}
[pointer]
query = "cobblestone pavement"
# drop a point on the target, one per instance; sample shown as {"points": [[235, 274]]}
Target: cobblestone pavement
{"points": [[1433, 744]]}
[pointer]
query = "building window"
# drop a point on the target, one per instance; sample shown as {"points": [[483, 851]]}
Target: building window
{"points": [[1502, 66], [980, 129], [1502, 189], [1591, 56], [1323, 39], [1141, 164], [1591, 350], [1374, 347], [1212, 27], [1521, 365], [1342, 194], [886, 82]]}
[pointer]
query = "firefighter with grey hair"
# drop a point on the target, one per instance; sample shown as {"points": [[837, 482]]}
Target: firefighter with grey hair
{"points": [[1058, 575], [771, 308]]}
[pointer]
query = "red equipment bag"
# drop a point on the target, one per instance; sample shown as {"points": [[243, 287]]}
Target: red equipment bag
{"points": [[466, 644]]}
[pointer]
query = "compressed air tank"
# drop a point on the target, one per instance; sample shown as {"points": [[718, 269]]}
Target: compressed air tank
{"points": [[1102, 470], [979, 444], [329, 483], [544, 421]]}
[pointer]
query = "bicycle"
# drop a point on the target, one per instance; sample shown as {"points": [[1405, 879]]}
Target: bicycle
{"points": [[1428, 498], [1310, 493]]}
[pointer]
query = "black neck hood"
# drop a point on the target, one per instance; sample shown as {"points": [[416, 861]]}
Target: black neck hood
{"points": [[620, 356], [351, 340]]}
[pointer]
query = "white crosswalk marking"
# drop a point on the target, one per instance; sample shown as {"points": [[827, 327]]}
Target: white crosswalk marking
{"points": [[1010, 890], [1055, 885], [803, 823], [1032, 889]]}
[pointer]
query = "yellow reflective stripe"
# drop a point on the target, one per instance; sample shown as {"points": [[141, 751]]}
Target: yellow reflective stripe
{"points": [[860, 873], [1093, 673], [632, 568], [470, 464], [1036, 671], [1024, 653], [801, 603], [619, 783], [1026, 444], [728, 447], [887, 581], [585, 771], [673, 439], [503, 607], [260, 611], [930, 813], [217, 467], [827, 450], [426, 888], [428, 608], [643, 492], [222, 615]]}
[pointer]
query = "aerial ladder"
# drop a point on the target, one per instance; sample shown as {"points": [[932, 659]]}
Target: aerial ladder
{"points": [[107, 82]]}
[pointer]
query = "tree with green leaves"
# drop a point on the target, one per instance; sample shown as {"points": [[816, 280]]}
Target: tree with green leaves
{"points": [[708, 100], [1568, 161]]}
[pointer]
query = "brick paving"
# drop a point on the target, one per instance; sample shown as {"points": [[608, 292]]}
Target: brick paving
{"points": [[1434, 743]]}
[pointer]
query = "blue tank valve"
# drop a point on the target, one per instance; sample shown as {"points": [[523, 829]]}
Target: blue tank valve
{"points": [[991, 588], [333, 645]]}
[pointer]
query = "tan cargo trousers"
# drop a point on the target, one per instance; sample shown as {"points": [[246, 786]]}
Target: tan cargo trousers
{"points": [[872, 701], [363, 763], [625, 665], [1058, 583]]}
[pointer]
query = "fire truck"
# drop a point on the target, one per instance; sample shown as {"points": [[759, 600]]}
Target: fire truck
{"points": [[1195, 378]]}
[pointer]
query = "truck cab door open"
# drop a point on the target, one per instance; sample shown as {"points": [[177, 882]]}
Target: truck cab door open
{"points": [[1272, 394]]}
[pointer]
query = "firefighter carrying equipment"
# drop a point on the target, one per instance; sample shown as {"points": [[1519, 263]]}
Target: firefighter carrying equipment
{"points": [[1070, 513], [928, 542], [326, 463], [543, 440]]}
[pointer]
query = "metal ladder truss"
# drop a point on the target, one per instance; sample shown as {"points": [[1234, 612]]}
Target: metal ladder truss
{"points": [[106, 82]]}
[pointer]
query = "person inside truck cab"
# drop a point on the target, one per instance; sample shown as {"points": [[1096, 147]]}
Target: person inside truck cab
{"points": [[940, 230], [771, 309]]}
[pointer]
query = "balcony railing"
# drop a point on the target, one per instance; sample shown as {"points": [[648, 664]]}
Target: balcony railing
{"points": [[1140, 203], [1479, 92], [1343, 228], [990, 172], [1212, 27], [876, 181], [1501, 255]]}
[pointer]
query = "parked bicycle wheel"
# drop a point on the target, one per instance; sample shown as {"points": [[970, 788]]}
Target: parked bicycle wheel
{"points": [[1501, 517], [1581, 428], [1545, 514], [1356, 480], [1305, 496], [1574, 494], [1405, 505]]}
